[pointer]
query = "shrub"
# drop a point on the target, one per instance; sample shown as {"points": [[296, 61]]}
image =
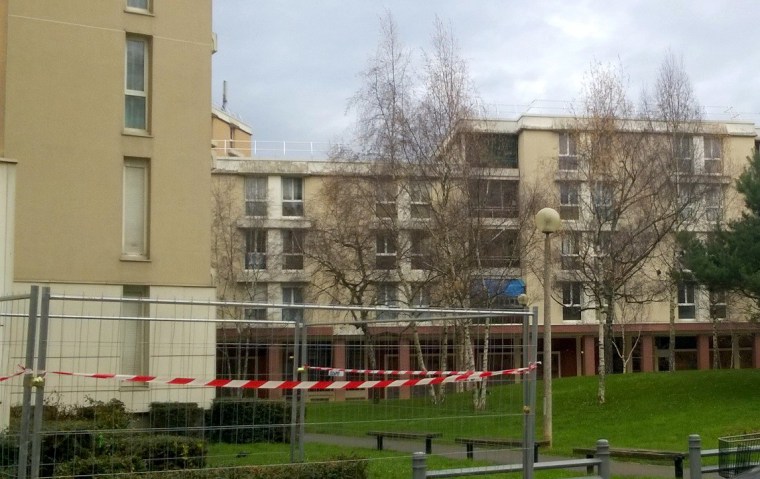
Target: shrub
{"points": [[91, 466], [164, 452], [337, 468], [175, 416], [247, 420]]}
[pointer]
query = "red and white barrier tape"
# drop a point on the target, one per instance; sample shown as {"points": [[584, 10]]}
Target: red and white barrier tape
{"points": [[21, 371], [285, 385], [472, 374], [282, 385]]}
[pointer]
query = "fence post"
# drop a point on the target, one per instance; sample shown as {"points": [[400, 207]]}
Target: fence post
{"points": [[695, 456], [26, 405], [603, 454], [294, 449], [419, 466], [302, 376], [39, 394]]}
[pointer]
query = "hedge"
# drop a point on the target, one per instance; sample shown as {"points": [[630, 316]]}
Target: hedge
{"points": [[245, 420]]}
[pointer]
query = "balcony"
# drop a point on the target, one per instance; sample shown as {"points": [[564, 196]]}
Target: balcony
{"points": [[295, 150]]}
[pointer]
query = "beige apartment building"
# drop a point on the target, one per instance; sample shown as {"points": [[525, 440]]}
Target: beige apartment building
{"points": [[277, 202], [105, 113]]}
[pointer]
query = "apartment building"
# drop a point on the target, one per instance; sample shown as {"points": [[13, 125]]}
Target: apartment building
{"points": [[280, 201], [105, 110]]}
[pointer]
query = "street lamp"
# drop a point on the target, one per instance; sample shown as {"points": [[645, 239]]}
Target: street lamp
{"points": [[547, 222]]}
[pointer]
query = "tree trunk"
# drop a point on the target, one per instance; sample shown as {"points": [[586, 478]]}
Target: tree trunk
{"points": [[672, 328], [716, 355], [601, 391], [481, 387], [421, 360], [735, 359]]}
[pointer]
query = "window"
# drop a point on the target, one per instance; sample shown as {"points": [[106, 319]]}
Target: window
{"points": [[136, 84], [687, 307], [493, 198], [684, 154], [570, 258], [258, 295], [569, 208], [713, 155], [256, 249], [495, 150], [713, 204], [498, 249], [292, 294], [255, 196], [568, 156], [387, 295], [138, 5], [602, 198], [134, 331], [385, 205], [419, 251], [421, 204], [717, 304], [136, 208], [420, 296], [292, 197], [603, 243], [292, 249], [385, 253], [571, 301]]}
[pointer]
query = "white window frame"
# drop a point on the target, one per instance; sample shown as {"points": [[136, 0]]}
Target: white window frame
{"points": [[260, 295], [385, 201], [713, 204], [713, 154], [144, 8], [385, 250], [292, 196], [684, 153], [687, 294], [420, 199], [292, 294], [387, 295], [570, 250], [569, 200], [718, 302], [256, 249], [574, 291], [135, 335], [133, 93], [292, 248], [568, 152], [256, 191], [136, 209]]}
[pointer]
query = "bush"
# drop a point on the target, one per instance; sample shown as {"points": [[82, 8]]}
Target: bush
{"points": [[337, 468], [175, 416], [246, 420], [164, 452], [90, 466]]}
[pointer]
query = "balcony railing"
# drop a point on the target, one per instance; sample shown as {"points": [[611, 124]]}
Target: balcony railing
{"points": [[295, 150]]}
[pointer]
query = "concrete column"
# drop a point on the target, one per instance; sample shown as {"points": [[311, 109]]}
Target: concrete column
{"points": [[339, 361], [647, 354], [403, 364], [275, 368], [756, 352], [589, 356], [703, 351]]}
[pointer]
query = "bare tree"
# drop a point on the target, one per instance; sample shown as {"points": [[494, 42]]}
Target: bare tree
{"points": [[626, 199], [234, 274]]}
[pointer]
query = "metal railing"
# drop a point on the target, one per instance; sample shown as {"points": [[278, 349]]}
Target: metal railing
{"points": [[601, 462], [296, 150]]}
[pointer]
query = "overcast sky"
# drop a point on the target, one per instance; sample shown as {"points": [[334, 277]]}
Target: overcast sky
{"points": [[292, 65]]}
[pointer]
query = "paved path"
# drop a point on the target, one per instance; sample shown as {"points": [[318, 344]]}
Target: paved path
{"points": [[457, 451]]}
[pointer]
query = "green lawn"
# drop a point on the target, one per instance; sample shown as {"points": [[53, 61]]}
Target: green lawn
{"points": [[653, 410], [656, 411]]}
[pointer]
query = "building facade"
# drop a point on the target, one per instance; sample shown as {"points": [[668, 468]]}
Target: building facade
{"points": [[517, 167], [109, 126]]}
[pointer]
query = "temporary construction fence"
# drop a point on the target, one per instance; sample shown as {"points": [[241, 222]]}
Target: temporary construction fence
{"points": [[135, 384]]}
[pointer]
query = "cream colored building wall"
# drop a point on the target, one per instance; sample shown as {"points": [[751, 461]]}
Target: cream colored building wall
{"points": [[181, 343], [64, 124], [538, 158]]}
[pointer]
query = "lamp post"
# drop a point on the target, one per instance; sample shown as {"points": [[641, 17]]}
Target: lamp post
{"points": [[547, 222]]}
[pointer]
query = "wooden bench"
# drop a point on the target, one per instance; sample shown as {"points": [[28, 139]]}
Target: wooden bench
{"points": [[471, 442], [427, 436], [645, 454]]}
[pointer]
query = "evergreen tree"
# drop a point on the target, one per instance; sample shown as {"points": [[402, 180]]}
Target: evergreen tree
{"points": [[729, 258]]}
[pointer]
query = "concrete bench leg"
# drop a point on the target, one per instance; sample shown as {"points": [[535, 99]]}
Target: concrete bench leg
{"points": [[589, 469], [379, 443], [469, 447], [678, 464], [428, 445]]}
